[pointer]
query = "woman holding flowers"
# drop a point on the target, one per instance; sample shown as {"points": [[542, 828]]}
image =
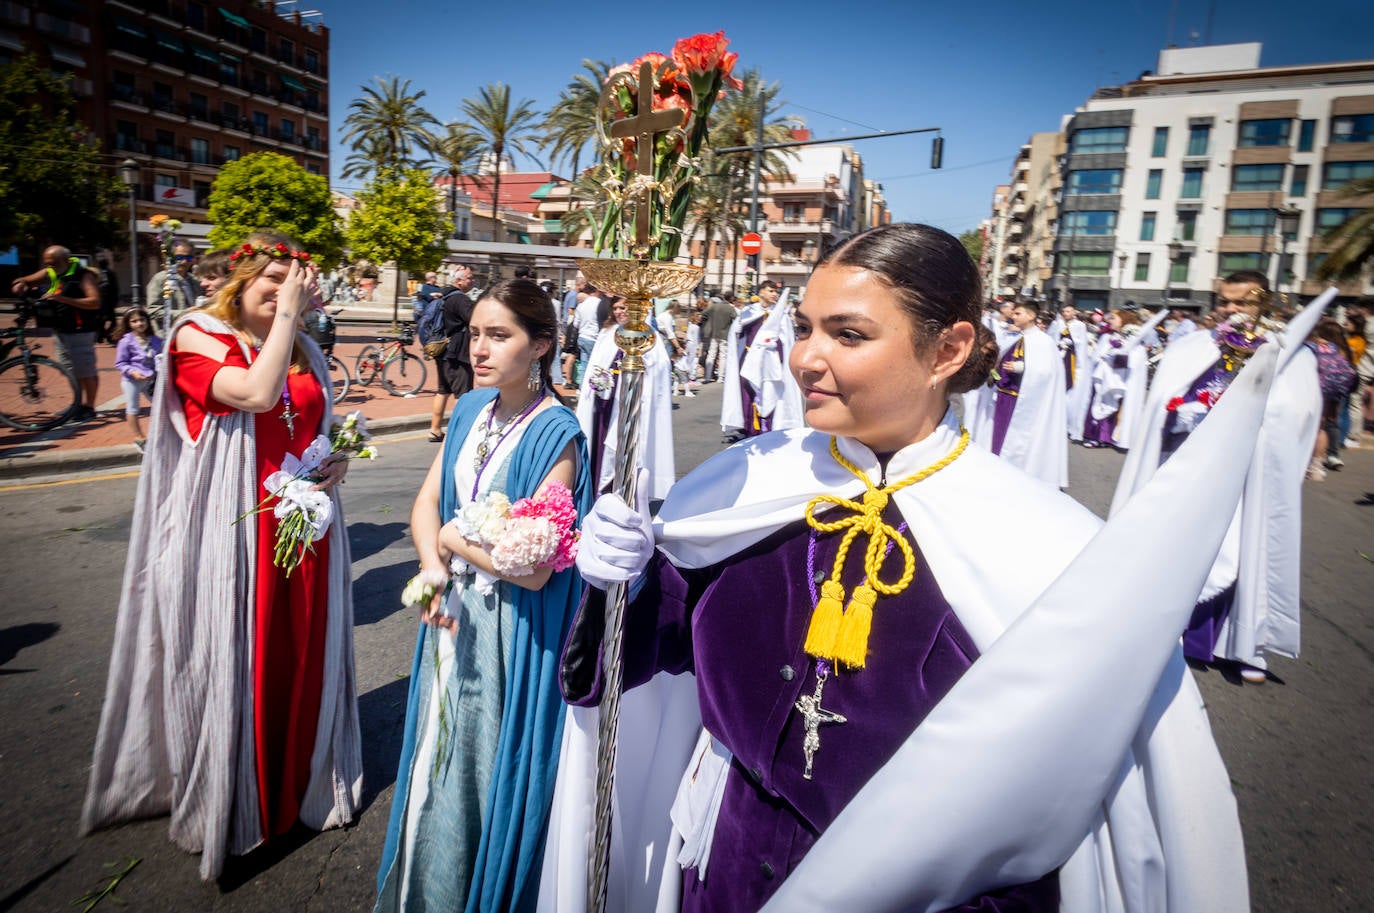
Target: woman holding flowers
{"points": [[493, 524], [231, 699]]}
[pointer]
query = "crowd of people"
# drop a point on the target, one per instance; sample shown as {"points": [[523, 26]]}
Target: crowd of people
{"points": [[789, 703]]}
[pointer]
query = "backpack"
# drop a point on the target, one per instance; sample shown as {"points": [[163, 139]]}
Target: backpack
{"points": [[1336, 374], [430, 325]]}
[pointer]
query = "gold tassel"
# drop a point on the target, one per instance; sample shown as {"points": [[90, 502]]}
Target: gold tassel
{"points": [[851, 647], [825, 620]]}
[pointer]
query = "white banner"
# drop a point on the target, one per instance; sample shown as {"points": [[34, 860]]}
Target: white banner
{"points": [[179, 195]]}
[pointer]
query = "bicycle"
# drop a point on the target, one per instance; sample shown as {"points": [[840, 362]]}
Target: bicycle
{"points": [[401, 372], [321, 329], [36, 393]]}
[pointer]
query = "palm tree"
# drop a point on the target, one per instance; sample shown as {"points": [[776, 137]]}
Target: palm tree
{"points": [[571, 123], [454, 153], [1351, 244], [388, 125], [735, 122], [500, 128], [367, 158]]}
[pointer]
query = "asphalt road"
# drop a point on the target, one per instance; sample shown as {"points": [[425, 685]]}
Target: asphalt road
{"points": [[1298, 749]]}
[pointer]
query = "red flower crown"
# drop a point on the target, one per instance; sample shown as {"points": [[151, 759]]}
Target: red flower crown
{"points": [[278, 251]]}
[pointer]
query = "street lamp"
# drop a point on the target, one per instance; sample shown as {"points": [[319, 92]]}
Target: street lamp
{"points": [[1120, 276], [128, 173], [1286, 221], [809, 251]]}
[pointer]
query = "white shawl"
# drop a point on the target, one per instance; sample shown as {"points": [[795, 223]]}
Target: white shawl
{"points": [[1035, 440]]}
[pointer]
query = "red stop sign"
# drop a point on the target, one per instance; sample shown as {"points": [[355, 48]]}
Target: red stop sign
{"points": [[751, 243]]}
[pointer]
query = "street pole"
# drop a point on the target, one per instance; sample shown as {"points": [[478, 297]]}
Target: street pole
{"points": [[128, 173]]}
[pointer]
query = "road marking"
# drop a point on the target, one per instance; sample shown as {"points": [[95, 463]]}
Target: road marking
{"points": [[29, 486]]}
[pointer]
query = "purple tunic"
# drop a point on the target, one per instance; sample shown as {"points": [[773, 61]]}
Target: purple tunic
{"points": [[603, 413], [740, 627], [1204, 627], [754, 424], [1007, 390], [1100, 431], [1214, 380]]}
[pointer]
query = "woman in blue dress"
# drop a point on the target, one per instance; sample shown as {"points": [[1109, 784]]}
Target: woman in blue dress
{"points": [[484, 717]]}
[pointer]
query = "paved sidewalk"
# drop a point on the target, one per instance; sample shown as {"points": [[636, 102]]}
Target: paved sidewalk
{"points": [[107, 442]]}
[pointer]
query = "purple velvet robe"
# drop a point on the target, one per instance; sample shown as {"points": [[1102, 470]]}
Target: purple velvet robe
{"points": [[603, 413], [1217, 378], [1007, 389], [1100, 431], [754, 424], [740, 627]]}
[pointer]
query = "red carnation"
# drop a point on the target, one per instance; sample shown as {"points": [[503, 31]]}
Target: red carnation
{"points": [[247, 248], [700, 53], [281, 248], [304, 256], [1174, 404]]}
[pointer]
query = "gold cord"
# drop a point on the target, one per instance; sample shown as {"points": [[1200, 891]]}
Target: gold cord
{"points": [[842, 636]]}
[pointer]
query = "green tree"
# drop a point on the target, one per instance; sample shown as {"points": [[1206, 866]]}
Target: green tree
{"points": [[571, 123], [973, 243], [501, 128], [1351, 244], [269, 190], [398, 221], [51, 181], [388, 127]]}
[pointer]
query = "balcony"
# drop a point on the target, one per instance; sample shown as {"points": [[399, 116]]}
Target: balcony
{"points": [[801, 227], [1019, 210]]}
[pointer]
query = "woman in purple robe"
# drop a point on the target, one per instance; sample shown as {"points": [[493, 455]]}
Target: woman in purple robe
{"points": [[828, 589]]}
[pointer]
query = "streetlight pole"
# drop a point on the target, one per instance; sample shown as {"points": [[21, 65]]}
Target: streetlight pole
{"points": [[128, 173], [1285, 223]]}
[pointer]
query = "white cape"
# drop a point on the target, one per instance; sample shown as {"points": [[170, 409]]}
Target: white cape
{"points": [[656, 405], [765, 369], [1077, 739], [1261, 551], [1035, 438], [732, 416], [1076, 401]]}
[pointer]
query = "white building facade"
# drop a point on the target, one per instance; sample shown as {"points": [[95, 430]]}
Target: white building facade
{"points": [[1211, 167]]}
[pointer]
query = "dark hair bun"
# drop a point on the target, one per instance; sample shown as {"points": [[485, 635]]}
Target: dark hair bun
{"points": [[979, 364]]}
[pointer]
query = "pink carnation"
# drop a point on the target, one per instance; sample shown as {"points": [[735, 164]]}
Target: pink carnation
{"points": [[554, 505]]}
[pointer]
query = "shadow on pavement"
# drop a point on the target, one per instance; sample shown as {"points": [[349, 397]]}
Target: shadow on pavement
{"points": [[382, 717], [24, 890], [377, 593], [367, 539], [17, 637]]}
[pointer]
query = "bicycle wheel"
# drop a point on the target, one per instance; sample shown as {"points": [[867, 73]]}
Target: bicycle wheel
{"points": [[36, 393], [339, 375], [368, 366], [405, 375]]}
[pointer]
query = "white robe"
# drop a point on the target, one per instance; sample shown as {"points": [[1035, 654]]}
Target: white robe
{"points": [[1261, 551], [732, 417], [656, 402], [1077, 738], [1076, 401], [1035, 438], [765, 369]]}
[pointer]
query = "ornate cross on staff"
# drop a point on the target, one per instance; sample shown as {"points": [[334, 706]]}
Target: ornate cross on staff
{"points": [[643, 127]]}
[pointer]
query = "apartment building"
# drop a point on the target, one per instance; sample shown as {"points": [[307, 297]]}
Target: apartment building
{"points": [[179, 87], [1211, 165]]}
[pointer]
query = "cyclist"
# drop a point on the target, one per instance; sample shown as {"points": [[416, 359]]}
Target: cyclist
{"points": [[69, 284]]}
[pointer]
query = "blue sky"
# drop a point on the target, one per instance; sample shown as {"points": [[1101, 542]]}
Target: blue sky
{"points": [[988, 73]]}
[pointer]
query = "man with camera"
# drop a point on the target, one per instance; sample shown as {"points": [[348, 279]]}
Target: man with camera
{"points": [[73, 292]]}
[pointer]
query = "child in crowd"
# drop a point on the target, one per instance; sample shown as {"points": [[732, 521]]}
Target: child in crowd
{"points": [[138, 347]]}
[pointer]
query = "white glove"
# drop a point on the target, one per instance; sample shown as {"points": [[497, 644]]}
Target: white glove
{"points": [[617, 541]]}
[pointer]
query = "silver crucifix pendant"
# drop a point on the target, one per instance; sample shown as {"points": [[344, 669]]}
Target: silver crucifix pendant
{"points": [[813, 715], [290, 418]]}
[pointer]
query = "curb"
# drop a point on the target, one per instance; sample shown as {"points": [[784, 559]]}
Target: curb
{"points": [[90, 459]]}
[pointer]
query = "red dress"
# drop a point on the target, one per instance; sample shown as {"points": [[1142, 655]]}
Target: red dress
{"points": [[289, 612]]}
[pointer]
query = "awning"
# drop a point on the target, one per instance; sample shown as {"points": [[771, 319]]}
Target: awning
{"points": [[237, 20], [553, 225], [232, 58], [171, 42], [292, 83], [204, 54], [543, 191], [129, 28]]}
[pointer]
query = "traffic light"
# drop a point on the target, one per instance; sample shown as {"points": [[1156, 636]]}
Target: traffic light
{"points": [[937, 152]]}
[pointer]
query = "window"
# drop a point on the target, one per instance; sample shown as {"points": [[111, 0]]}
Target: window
{"points": [[200, 106], [126, 135], [312, 61], [1199, 139], [312, 138], [1152, 184], [195, 16], [1161, 144], [1306, 130], [257, 40], [1178, 268], [288, 129], [231, 153], [165, 145], [1089, 263], [312, 168], [1093, 222], [1236, 262], [1099, 139], [1249, 221], [164, 180], [1192, 184], [1267, 132], [200, 151], [228, 69], [1142, 267], [260, 127], [1298, 186], [794, 212], [1314, 263], [1257, 177], [1147, 226], [1099, 180], [229, 111], [286, 52], [1337, 174], [1185, 226], [202, 189], [1328, 219], [1352, 128]]}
